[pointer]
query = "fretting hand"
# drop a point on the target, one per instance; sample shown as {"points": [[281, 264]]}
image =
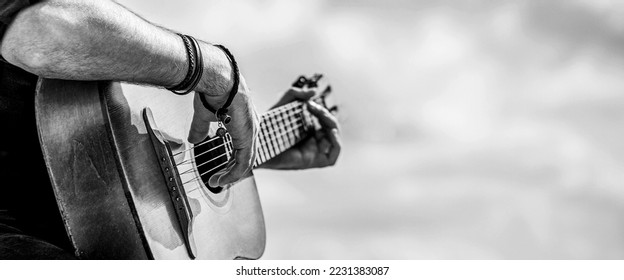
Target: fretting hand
{"points": [[320, 149]]}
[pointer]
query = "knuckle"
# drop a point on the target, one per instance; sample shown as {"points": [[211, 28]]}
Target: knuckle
{"points": [[309, 161]]}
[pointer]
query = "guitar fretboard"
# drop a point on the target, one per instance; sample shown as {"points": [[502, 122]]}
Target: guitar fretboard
{"points": [[282, 128]]}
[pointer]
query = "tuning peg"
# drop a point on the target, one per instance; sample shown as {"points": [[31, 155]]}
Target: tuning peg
{"points": [[326, 91], [313, 81], [300, 82]]}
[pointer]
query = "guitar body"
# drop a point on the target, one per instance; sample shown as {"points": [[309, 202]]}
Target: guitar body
{"points": [[110, 187]]}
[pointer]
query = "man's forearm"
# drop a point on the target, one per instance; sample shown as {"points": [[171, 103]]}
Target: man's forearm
{"points": [[101, 40]]}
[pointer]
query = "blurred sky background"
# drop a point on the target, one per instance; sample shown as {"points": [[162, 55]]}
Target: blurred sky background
{"points": [[472, 129]]}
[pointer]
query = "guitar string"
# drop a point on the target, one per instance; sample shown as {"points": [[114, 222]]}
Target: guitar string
{"points": [[279, 136], [272, 132], [199, 177], [267, 115], [214, 158], [187, 161], [229, 141], [202, 143], [215, 147], [287, 116], [297, 126], [284, 112], [293, 125]]}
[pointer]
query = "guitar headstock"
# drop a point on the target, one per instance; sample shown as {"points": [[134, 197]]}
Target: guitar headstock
{"points": [[323, 96]]}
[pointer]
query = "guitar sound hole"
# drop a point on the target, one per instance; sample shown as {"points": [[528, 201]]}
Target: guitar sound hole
{"points": [[210, 158], [214, 190]]}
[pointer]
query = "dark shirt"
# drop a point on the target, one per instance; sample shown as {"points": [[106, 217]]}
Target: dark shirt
{"points": [[13, 80], [26, 198]]}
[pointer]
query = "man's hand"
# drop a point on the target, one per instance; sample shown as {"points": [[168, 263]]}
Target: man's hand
{"points": [[320, 149], [243, 128]]}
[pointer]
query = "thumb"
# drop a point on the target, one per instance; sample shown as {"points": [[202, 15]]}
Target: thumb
{"points": [[201, 121], [293, 94], [303, 94]]}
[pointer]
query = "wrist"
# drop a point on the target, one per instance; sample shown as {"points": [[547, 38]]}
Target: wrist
{"points": [[180, 64], [218, 77]]}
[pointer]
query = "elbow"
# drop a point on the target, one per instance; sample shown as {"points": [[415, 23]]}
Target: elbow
{"points": [[33, 36], [23, 57]]}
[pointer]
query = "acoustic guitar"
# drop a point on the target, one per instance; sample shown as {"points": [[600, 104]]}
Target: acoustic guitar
{"points": [[130, 186]]}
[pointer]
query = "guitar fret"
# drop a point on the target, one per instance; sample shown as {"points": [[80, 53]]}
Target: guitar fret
{"points": [[265, 144], [292, 119], [260, 156], [278, 133], [267, 148], [263, 149], [275, 136], [258, 160], [272, 144], [285, 118], [281, 131], [286, 121]]}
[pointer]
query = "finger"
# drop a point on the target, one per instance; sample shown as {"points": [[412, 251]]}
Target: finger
{"points": [[302, 94], [336, 145], [242, 165], [201, 121], [245, 122], [324, 145], [215, 179], [293, 94], [310, 152], [327, 119]]}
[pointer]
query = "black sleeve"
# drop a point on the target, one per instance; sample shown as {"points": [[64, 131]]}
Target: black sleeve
{"points": [[8, 10]]}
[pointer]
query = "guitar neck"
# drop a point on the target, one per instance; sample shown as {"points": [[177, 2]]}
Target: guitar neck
{"points": [[282, 128]]}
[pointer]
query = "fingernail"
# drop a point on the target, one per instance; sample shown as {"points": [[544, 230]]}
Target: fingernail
{"points": [[214, 180], [313, 104]]}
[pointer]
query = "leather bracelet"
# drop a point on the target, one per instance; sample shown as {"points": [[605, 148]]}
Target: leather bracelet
{"points": [[197, 75], [195, 69], [221, 113]]}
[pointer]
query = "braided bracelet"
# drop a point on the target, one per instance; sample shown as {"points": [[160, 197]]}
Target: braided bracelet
{"points": [[195, 69], [194, 74]]}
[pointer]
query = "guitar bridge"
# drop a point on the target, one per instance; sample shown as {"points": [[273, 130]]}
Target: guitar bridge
{"points": [[174, 184]]}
